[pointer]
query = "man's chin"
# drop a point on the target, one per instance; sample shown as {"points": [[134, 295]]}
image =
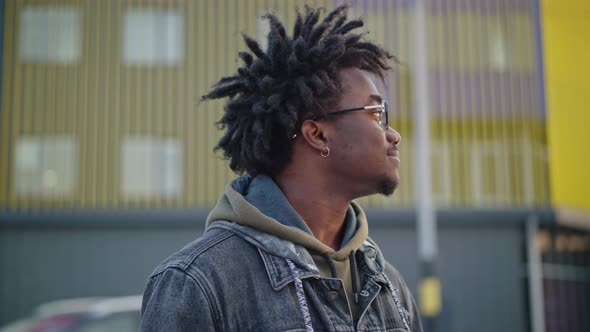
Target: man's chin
{"points": [[388, 187]]}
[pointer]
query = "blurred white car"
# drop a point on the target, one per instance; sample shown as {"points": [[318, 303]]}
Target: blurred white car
{"points": [[96, 314]]}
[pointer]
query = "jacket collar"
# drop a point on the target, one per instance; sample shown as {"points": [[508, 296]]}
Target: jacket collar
{"points": [[275, 252]]}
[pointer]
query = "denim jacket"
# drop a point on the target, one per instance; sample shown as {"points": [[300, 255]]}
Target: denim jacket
{"points": [[237, 278]]}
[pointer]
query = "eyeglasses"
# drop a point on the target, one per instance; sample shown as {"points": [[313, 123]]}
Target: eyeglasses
{"points": [[383, 114]]}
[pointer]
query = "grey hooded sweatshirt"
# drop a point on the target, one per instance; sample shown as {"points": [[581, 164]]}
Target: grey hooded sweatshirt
{"points": [[258, 267]]}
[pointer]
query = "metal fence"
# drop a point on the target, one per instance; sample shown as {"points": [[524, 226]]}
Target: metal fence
{"points": [[566, 278]]}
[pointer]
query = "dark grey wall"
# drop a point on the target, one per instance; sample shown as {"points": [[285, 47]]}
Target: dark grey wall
{"points": [[43, 265], [481, 270], [480, 265]]}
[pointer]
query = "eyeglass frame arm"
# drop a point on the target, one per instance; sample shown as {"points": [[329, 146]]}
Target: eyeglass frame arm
{"points": [[315, 117]]}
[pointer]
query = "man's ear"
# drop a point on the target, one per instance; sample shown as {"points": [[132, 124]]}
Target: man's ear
{"points": [[315, 134]]}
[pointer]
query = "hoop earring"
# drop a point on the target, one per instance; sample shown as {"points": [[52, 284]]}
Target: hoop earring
{"points": [[325, 155]]}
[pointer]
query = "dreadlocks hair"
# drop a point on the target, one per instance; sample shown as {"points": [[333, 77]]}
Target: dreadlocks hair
{"points": [[296, 78]]}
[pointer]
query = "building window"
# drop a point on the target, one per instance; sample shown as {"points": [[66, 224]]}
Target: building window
{"points": [[442, 173], [490, 172], [441, 170], [153, 36], [151, 167], [46, 166], [50, 34]]}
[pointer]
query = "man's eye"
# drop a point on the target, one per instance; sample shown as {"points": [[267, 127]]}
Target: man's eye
{"points": [[378, 114]]}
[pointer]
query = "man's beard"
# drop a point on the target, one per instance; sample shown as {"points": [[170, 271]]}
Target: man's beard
{"points": [[388, 187]]}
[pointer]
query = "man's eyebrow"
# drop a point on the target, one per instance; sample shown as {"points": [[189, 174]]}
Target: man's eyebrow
{"points": [[375, 98]]}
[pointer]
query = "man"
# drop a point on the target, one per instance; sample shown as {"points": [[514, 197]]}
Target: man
{"points": [[286, 249]]}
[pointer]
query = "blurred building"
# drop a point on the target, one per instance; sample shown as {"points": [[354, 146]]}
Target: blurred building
{"points": [[106, 161]]}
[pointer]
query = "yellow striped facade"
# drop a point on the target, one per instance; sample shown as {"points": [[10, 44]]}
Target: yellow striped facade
{"points": [[489, 144]]}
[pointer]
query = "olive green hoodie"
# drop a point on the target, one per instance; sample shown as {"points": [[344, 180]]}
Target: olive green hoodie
{"points": [[258, 202]]}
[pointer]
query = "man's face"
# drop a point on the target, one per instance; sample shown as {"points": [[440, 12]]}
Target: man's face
{"points": [[363, 154]]}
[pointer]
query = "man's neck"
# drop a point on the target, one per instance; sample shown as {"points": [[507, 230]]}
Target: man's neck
{"points": [[324, 212]]}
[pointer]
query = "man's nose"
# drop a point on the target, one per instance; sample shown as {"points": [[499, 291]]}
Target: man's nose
{"points": [[393, 136]]}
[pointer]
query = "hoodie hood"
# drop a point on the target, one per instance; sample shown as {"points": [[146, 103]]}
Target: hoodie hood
{"points": [[257, 202]]}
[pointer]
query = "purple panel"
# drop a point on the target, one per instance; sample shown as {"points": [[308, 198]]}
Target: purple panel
{"points": [[511, 91], [397, 4], [478, 5]]}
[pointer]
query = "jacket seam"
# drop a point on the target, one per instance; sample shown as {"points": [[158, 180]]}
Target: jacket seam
{"points": [[212, 308], [216, 315], [185, 263], [222, 237]]}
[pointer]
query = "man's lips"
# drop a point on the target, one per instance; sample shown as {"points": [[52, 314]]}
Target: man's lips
{"points": [[394, 154]]}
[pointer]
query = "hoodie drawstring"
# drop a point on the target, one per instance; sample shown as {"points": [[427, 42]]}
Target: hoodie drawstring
{"points": [[330, 265], [353, 272], [300, 296], [354, 280]]}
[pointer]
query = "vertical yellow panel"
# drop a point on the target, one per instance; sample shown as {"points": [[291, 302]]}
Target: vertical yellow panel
{"points": [[94, 102], [177, 81], [66, 125], [126, 110], [441, 133], [224, 67], [138, 118], [468, 119], [535, 120], [462, 75], [517, 70], [404, 102], [205, 82], [31, 115], [485, 113], [10, 79], [212, 75], [503, 142], [505, 106], [22, 111], [72, 94], [493, 118], [144, 112], [60, 120], [82, 109], [234, 45], [464, 113], [103, 137], [202, 72], [450, 32], [147, 112], [496, 97], [46, 107], [114, 102], [169, 106], [190, 107]]}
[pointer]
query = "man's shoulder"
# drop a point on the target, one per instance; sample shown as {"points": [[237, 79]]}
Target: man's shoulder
{"points": [[207, 249]]}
